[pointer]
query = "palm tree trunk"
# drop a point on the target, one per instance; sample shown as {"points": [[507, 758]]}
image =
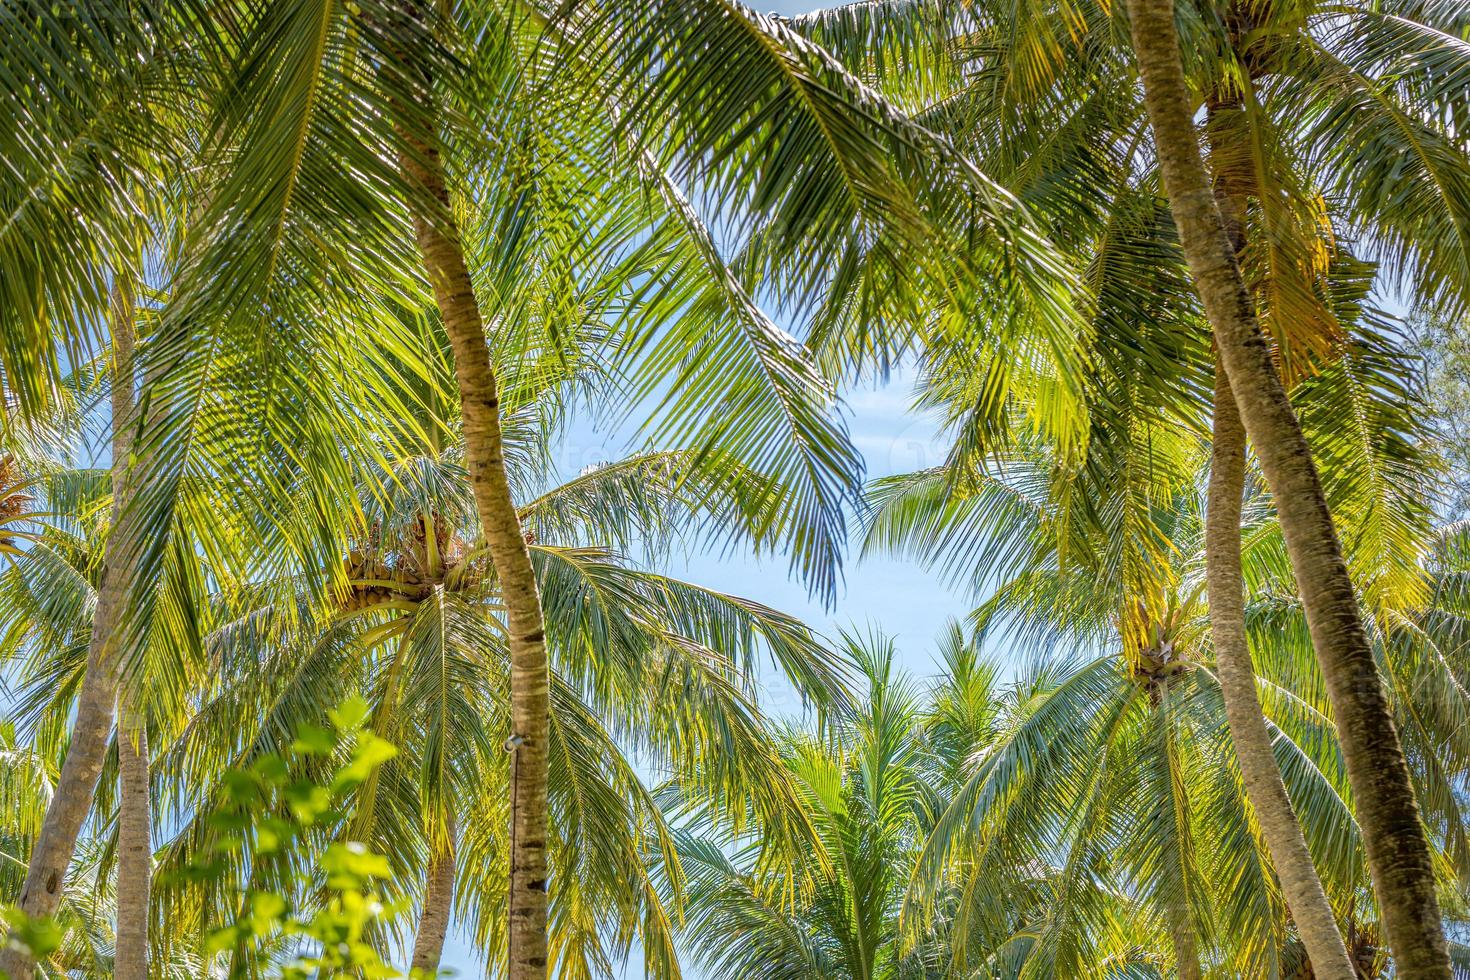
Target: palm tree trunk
{"points": [[530, 685], [1186, 951], [428, 946], [1182, 938], [1305, 897], [77, 783], [134, 849], [1393, 836]]}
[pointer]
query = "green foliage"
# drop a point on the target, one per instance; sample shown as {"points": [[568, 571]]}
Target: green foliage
{"points": [[697, 220], [40, 937], [336, 932], [1444, 344]]}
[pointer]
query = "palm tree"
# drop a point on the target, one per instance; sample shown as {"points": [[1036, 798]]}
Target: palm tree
{"points": [[871, 785], [1098, 519], [1305, 896], [87, 145], [878, 786], [1049, 539], [98, 185], [446, 268], [96, 701], [650, 85], [415, 621], [1322, 104], [656, 661], [1394, 837], [1122, 764], [50, 594], [66, 561], [1249, 732], [135, 843], [47, 603], [436, 906], [1117, 766]]}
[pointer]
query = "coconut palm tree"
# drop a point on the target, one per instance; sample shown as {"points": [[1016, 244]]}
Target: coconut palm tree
{"points": [[96, 703], [82, 939], [871, 785], [89, 146], [641, 659], [663, 666], [877, 785], [50, 595], [1393, 835], [67, 551], [1128, 743], [1049, 99], [95, 203], [1045, 538], [662, 77], [1123, 766]]}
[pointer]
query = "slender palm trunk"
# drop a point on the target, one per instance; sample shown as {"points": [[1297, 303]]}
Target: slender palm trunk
{"points": [[1302, 888], [134, 848], [1305, 897], [428, 946], [77, 784], [1186, 950], [530, 684], [1393, 836]]}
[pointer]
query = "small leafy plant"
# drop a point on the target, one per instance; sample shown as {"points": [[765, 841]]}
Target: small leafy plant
{"points": [[277, 818]]}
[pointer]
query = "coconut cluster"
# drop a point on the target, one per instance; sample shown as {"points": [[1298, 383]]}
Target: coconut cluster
{"points": [[13, 501], [405, 563]]}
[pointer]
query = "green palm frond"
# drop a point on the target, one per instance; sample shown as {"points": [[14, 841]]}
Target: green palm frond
{"points": [[88, 127]]}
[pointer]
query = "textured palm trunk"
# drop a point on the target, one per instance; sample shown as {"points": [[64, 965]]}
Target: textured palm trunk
{"points": [[1186, 950], [134, 849], [1393, 836], [1261, 776], [428, 946], [1305, 897], [77, 784], [444, 263]]}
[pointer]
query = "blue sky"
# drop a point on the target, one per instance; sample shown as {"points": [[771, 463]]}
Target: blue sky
{"points": [[789, 6], [895, 597], [906, 601]]}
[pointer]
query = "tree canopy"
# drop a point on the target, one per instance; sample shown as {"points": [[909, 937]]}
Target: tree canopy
{"points": [[319, 659]]}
